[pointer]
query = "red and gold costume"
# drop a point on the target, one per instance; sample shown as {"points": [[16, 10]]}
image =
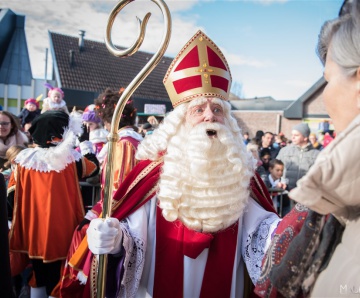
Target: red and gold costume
{"points": [[124, 161]]}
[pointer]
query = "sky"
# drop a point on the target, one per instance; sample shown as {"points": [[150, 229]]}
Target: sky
{"points": [[270, 45]]}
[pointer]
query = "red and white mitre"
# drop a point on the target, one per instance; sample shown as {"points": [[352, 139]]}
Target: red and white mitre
{"points": [[200, 69]]}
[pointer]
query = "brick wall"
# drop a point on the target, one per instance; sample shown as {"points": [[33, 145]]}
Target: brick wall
{"points": [[252, 121], [315, 105], [287, 125], [273, 121]]}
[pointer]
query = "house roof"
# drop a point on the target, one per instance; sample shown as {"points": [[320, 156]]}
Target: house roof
{"points": [[14, 57], [260, 104], [94, 68], [295, 110]]}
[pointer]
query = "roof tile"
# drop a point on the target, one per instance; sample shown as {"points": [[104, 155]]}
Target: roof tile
{"points": [[95, 68]]}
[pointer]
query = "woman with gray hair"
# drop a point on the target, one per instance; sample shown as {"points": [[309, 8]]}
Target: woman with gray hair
{"points": [[332, 185], [328, 263]]}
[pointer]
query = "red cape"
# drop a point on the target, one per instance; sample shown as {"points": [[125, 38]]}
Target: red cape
{"points": [[138, 188]]}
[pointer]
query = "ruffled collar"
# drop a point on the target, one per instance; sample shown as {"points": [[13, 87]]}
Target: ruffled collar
{"points": [[98, 135], [129, 132], [54, 105], [122, 133], [46, 159]]}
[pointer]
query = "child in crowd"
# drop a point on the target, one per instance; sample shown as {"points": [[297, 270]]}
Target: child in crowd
{"points": [[92, 123], [29, 112], [265, 157], [11, 153], [55, 100], [276, 171]]}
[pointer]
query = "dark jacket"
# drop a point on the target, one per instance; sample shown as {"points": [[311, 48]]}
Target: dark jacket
{"points": [[273, 151], [26, 116]]}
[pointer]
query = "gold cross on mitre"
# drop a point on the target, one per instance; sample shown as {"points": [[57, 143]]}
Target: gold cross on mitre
{"points": [[200, 69]]}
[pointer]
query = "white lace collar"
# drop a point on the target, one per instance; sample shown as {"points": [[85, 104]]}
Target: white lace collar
{"points": [[55, 105], [98, 135], [130, 132], [46, 159]]}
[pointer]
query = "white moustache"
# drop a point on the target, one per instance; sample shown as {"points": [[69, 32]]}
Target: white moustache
{"points": [[209, 129]]}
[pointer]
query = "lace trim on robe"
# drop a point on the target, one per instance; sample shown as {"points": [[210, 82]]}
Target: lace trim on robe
{"points": [[256, 245], [134, 247]]}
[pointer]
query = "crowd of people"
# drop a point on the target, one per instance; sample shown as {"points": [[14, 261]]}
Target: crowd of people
{"points": [[295, 156], [195, 207], [79, 137], [69, 136]]}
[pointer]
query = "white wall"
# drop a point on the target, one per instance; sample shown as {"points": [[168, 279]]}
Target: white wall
{"points": [[22, 93]]}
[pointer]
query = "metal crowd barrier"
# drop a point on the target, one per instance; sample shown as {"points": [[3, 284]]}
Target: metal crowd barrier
{"points": [[278, 192], [90, 193]]}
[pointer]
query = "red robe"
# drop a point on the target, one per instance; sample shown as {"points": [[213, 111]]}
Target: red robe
{"points": [[139, 187]]}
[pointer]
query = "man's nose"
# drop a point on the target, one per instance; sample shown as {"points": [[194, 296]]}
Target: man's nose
{"points": [[209, 116]]}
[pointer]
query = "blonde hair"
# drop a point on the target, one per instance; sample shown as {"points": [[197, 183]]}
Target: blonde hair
{"points": [[11, 154]]}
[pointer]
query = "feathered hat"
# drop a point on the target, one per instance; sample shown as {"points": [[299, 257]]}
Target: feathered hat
{"points": [[90, 115], [200, 69], [51, 88], [34, 101]]}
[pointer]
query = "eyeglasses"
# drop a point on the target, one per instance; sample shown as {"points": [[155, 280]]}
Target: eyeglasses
{"points": [[4, 123]]}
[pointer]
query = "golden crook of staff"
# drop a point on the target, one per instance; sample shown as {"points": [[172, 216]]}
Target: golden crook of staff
{"points": [[129, 90]]}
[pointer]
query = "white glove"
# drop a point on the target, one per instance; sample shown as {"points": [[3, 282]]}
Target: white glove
{"points": [[86, 147], [104, 236]]}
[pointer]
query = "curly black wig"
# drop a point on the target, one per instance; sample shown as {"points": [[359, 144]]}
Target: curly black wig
{"points": [[105, 107]]}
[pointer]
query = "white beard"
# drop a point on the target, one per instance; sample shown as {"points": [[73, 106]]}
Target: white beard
{"points": [[205, 180]]}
